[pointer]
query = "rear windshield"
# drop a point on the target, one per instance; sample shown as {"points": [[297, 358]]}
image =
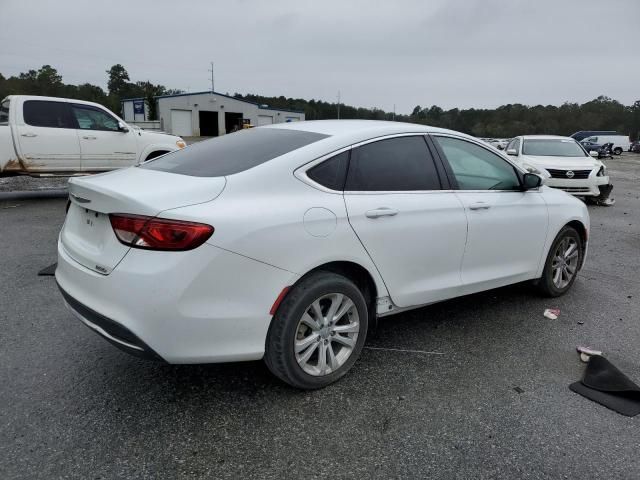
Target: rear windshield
{"points": [[553, 148], [233, 153]]}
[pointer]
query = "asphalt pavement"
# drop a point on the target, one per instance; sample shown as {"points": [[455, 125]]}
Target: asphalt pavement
{"points": [[495, 404]]}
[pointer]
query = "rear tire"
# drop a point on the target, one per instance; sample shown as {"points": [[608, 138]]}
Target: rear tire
{"points": [[324, 316], [617, 151], [562, 264]]}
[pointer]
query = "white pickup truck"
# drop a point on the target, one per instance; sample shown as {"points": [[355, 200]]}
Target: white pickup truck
{"points": [[61, 136]]}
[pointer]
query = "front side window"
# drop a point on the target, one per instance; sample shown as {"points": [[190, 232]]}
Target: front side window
{"points": [[514, 145], [45, 113], [4, 112], [476, 168], [560, 147], [90, 118], [396, 164], [332, 172]]}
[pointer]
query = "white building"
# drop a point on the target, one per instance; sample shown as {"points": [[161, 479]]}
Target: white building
{"points": [[206, 114]]}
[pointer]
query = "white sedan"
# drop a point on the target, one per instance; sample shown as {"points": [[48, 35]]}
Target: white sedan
{"points": [[564, 163], [286, 242]]}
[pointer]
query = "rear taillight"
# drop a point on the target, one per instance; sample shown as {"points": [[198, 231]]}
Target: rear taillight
{"points": [[152, 233]]}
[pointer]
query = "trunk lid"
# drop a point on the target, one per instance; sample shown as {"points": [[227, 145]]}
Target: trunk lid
{"points": [[87, 235]]}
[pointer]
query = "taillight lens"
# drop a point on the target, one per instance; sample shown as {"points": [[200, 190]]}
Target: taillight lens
{"points": [[139, 231]]}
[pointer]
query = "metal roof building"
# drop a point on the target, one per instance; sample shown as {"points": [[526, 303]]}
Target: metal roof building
{"points": [[205, 113]]}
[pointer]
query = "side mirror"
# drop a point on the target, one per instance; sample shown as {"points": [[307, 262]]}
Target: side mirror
{"points": [[512, 151], [123, 127], [593, 153], [530, 181]]}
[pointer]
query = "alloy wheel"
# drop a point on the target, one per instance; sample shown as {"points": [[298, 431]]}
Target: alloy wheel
{"points": [[565, 262], [326, 334]]}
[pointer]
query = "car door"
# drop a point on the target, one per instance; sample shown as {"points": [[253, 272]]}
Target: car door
{"points": [[47, 139], [413, 230], [102, 144], [507, 226]]}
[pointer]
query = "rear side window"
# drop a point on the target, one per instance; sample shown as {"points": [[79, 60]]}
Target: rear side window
{"points": [[42, 113], [396, 164], [331, 173], [4, 112], [234, 152]]}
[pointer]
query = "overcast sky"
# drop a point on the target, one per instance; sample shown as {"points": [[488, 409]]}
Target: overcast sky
{"points": [[452, 53]]}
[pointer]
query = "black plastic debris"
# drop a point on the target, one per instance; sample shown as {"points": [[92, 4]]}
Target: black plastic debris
{"points": [[49, 271], [605, 384]]}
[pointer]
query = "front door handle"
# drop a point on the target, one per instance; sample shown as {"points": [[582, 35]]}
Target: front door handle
{"points": [[89, 137], [479, 206], [381, 212], [30, 135]]}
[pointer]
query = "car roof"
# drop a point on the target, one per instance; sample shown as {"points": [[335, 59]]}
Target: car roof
{"points": [[545, 137], [364, 128]]}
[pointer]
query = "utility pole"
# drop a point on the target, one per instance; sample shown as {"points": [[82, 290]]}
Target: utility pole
{"points": [[211, 70], [338, 104], [394, 112]]}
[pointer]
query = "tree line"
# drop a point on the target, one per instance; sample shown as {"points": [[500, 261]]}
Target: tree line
{"points": [[602, 113]]}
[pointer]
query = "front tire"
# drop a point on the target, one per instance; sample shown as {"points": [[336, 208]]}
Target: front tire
{"points": [[318, 332], [562, 264]]}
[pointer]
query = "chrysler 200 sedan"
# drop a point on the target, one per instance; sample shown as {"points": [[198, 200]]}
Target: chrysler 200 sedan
{"points": [[287, 242]]}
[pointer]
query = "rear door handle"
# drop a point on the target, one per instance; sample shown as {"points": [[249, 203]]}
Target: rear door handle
{"points": [[381, 212], [89, 137], [479, 206], [30, 135]]}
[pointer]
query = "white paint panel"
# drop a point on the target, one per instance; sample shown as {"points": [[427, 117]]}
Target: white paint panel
{"points": [[181, 123]]}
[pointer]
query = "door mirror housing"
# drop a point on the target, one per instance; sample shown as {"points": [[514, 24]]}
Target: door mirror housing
{"points": [[531, 181], [512, 151], [123, 127], [593, 153]]}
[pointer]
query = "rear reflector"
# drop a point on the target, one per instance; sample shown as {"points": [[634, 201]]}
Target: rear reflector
{"points": [[276, 304], [150, 233]]}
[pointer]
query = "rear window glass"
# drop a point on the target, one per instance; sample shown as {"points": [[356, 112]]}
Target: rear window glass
{"points": [[233, 153], [42, 113], [331, 173]]}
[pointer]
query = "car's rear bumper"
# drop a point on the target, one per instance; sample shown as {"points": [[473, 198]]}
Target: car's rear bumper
{"points": [[205, 305], [110, 330]]}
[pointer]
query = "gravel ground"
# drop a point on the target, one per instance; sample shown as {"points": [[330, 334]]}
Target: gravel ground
{"points": [[496, 404]]}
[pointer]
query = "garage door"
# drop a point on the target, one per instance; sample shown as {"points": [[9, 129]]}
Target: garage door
{"points": [[181, 123], [265, 120]]}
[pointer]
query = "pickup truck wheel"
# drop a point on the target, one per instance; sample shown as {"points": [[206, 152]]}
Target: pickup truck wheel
{"points": [[318, 331], [617, 151], [563, 261], [154, 155]]}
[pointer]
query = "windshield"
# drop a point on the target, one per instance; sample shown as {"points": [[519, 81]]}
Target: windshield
{"points": [[553, 148]]}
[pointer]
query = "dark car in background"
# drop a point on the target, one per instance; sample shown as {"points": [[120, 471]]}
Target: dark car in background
{"points": [[635, 146]]}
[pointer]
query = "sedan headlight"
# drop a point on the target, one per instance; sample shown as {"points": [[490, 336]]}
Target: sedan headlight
{"points": [[181, 143]]}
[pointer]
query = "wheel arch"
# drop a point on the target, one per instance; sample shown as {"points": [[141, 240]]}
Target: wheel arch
{"points": [[355, 272], [584, 236]]}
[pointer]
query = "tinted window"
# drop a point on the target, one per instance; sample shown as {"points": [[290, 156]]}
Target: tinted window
{"points": [[40, 113], [397, 164], [90, 118], [476, 168], [331, 173], [234, 152], [4, 112]]}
